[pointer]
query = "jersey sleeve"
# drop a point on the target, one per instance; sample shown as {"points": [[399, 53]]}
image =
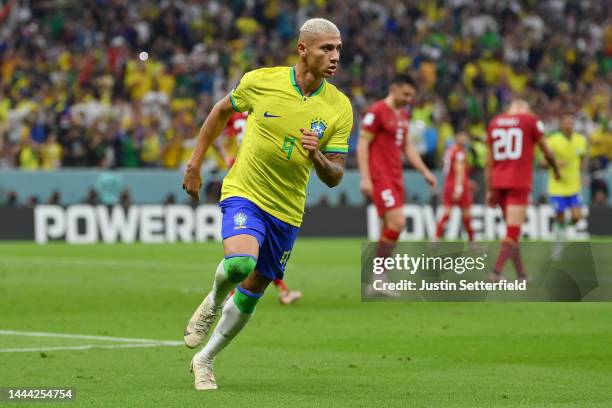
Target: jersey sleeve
{"points": [[371, 121], [243, 94], [338, 141]]}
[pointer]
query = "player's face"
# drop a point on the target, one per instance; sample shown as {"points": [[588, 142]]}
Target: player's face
{"points": [[323, 54], [403, 94], [462, 138], [567, 124]]}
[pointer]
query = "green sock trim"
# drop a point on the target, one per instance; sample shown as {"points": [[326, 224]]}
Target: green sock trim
{"points": [[237, 268], [245, 303]]}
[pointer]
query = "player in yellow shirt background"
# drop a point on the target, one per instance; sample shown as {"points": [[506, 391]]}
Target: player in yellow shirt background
{"points": [[296, 121], [569, 149]]}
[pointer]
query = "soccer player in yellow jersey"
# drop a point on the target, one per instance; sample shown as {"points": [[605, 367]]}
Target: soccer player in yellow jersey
{"points": [[569, 149], [296, 121]]}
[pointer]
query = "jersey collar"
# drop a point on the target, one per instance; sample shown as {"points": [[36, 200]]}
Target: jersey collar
{"points": [[297, 88]]}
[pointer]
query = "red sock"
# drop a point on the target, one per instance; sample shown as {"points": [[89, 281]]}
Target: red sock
{"points": [[467, 224], [387, 242], [510, 249], [441, 225], [280, 284], [517, 261], [505, 252], [514, 233]]}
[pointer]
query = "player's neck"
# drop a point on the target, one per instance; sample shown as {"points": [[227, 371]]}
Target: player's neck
{"points": [[306, 80], [391, 103]]}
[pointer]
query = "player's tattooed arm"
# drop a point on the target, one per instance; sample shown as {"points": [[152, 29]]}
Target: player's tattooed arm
{"points": [[329, 167]]}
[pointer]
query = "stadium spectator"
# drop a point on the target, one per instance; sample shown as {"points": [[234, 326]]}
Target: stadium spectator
{"points": [[51, 153], [32, 201], [125, 86], [91, 198], [55, 198], [600, 198]]}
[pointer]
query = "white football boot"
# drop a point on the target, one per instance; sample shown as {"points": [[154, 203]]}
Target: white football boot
{"points": [[288, 297], [204, 377], [200, 323]]}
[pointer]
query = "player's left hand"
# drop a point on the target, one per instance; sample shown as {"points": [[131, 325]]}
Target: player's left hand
{"points": [[431, 180], [310, 141]]}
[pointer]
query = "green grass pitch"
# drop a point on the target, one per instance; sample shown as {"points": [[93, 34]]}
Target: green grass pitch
{"points": [[329, 350]]}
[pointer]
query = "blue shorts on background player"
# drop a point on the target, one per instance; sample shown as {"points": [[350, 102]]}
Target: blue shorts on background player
{"points": [[562, 203]]}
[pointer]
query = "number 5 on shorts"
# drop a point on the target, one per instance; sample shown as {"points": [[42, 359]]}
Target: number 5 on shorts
{"points": [[387, 196]]}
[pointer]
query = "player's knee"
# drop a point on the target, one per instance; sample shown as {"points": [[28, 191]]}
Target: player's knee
{"points": [[397, 223], [576, 216], [237, 268]]}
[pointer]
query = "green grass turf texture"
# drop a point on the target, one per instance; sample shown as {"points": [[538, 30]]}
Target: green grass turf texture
{"points": [[329, 350]]}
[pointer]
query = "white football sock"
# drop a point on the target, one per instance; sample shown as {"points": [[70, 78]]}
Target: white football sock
{"points": [[231, 323], [221, 286]]}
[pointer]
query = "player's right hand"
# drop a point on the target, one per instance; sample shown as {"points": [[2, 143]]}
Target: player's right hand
{"points": [[366, 187], [192, 182]]}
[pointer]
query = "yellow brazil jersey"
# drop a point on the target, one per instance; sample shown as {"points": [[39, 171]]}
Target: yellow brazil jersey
{"points": [[568, 153], [272, 168]]}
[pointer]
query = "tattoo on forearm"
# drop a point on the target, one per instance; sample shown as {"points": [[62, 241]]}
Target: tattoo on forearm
{"points": [[334, 162], [330, 167]]}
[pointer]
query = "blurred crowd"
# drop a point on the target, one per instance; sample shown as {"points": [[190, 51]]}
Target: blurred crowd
{"points": [[120, 83]]}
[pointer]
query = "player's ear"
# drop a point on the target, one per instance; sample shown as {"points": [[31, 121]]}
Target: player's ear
{"points": [[301, 48]]}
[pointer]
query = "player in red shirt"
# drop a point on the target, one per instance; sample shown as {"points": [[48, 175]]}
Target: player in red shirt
{"points": [[383, 139], [457, 189], [235, 128], [511, 139]]}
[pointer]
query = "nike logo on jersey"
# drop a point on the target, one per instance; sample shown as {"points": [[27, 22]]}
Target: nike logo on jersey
{"points": [[269, 115]]}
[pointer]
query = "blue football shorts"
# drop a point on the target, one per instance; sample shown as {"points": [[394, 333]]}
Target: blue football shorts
{"points": [[275, 237], [561, 203]]}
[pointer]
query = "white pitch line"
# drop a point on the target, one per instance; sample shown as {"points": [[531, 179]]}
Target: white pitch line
{"points": [[86, 337], [91, 346], [79, 262]]}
